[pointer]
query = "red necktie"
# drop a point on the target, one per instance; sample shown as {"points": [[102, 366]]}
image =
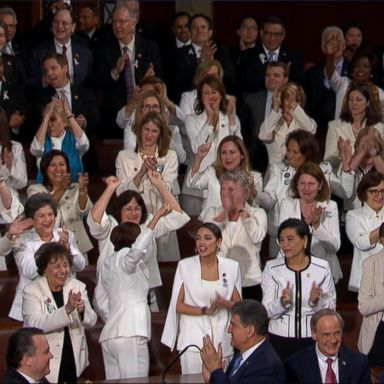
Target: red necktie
{"points": [[129, 83], [330, 377]]}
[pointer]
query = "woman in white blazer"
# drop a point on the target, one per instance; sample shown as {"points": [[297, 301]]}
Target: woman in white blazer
{"points": [[41, 208], [243, 228], [358, 112], [130, 207], [73, 202], [231, 154], [362, 224], [310, 202], [204, 289], [371, 306], [295, 288], [301, 146], [122, 293], [58, 304], [287, 114]]}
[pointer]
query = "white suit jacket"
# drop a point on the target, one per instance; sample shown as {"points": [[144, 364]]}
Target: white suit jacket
{"points": [[359, 223], [69, 213], [191, 329], [122, 289], [207, 180], [40, 311], [24, 255], [243, 245], [128, 164], [339, 128], [371, 300], [274, 131], [199, 132], [326, 238]]}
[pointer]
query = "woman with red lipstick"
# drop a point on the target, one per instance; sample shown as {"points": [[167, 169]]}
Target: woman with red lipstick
{"points": [[73, 202], [294, 288], [357, 113], [204, 289], [310, 202], [231, 155]]}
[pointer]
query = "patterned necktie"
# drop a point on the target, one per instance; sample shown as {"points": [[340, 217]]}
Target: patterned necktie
{"points": [[236, 364], [128, 75], [8, 49], [330, 377], [271, 56]]}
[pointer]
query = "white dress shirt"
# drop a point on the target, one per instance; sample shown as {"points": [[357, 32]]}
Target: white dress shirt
{"points": [[67, 91], [323, 366]]}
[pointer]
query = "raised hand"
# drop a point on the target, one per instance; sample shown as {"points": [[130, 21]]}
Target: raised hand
{"points": [[71, 302], [316, 214], [155, 178], [286, 297], [64, 237], [203, 150], [112, 182], [150, 70], [164, 210], [276, 100], [211, 358], [315, 294], [120, 63], [231, 106], [332, 44], [83, 180], [208, 50], [81, 120], [19, 225]]}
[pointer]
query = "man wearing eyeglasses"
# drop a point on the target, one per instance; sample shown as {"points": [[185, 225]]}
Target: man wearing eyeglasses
{"points": [[252, 64], [79, 57]]}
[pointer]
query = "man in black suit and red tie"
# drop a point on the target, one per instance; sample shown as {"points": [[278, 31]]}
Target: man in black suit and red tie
{"points": [[327, 361], [28, 357]]}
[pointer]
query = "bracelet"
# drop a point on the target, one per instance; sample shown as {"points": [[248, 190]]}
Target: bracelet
{"points": [[70, 117]]}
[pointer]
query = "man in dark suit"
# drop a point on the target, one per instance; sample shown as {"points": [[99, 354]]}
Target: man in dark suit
{"points": [[252, 62], [120, 64], [79, 57], [321, 98], [256, 361], [201, 49], [327, 361], [28, 357], [88, 25]]}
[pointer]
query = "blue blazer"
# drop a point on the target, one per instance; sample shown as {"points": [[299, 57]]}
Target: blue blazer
{"points": [[263, 366], [303, 367]]}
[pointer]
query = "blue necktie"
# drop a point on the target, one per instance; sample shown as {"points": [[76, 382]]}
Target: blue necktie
{"points": [[236, 363], [271, 56]]}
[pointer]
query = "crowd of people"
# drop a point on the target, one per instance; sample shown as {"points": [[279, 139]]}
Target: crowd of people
{"points": [[243, 128]]}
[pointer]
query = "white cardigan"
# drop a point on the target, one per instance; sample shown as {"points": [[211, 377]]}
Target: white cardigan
{"points": [[191, 329], [40, 311]]}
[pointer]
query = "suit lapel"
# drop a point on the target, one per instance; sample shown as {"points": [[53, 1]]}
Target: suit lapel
{"points": [[312, 365], [344, 371]]}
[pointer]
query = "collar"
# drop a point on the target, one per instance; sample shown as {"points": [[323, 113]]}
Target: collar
{"points": [[130, 45], [324, 358], [28, 378], [249, 351], [60, 45], [370, 213], [180, 44], [275, 51], [196, 47], [90, 33], [66, 88]]}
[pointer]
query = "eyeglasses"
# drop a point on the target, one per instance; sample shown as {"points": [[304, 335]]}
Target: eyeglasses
{"points": [[376, 192], [64, 24], [120, 21], [149, 107], [275, 35]]}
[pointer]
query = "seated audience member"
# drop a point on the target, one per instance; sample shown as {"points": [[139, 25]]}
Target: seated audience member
{"points": [[320, 95], [60, 130], [256, 361], [214, 118], [14, 45], [12, 100], [150, 101], [310, 202], [357, 113], [11, 237], [327, 361], [243, 226], [58, 303], [122, 62], [73, 202], [10, 205], [202, 49], [88, 21], [294, 288], [231, 155], [371, 294], [81, 100], [122, 296], [362, 224], [257, 107], [42, 209], [270, 48], [13, 167], [361, 70], [79, 57], [130, 208], [301, 146], [354, 39], [287, 114], [28, 357], [204, 289]]}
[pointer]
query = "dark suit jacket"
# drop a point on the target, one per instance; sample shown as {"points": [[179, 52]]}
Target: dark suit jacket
{"points": [[115, 94], [14, 377], [303, 367], [83, 102], [186, 67], [13, 70], [263, 366], [252, 68], [12, 98], [82, 62]]}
